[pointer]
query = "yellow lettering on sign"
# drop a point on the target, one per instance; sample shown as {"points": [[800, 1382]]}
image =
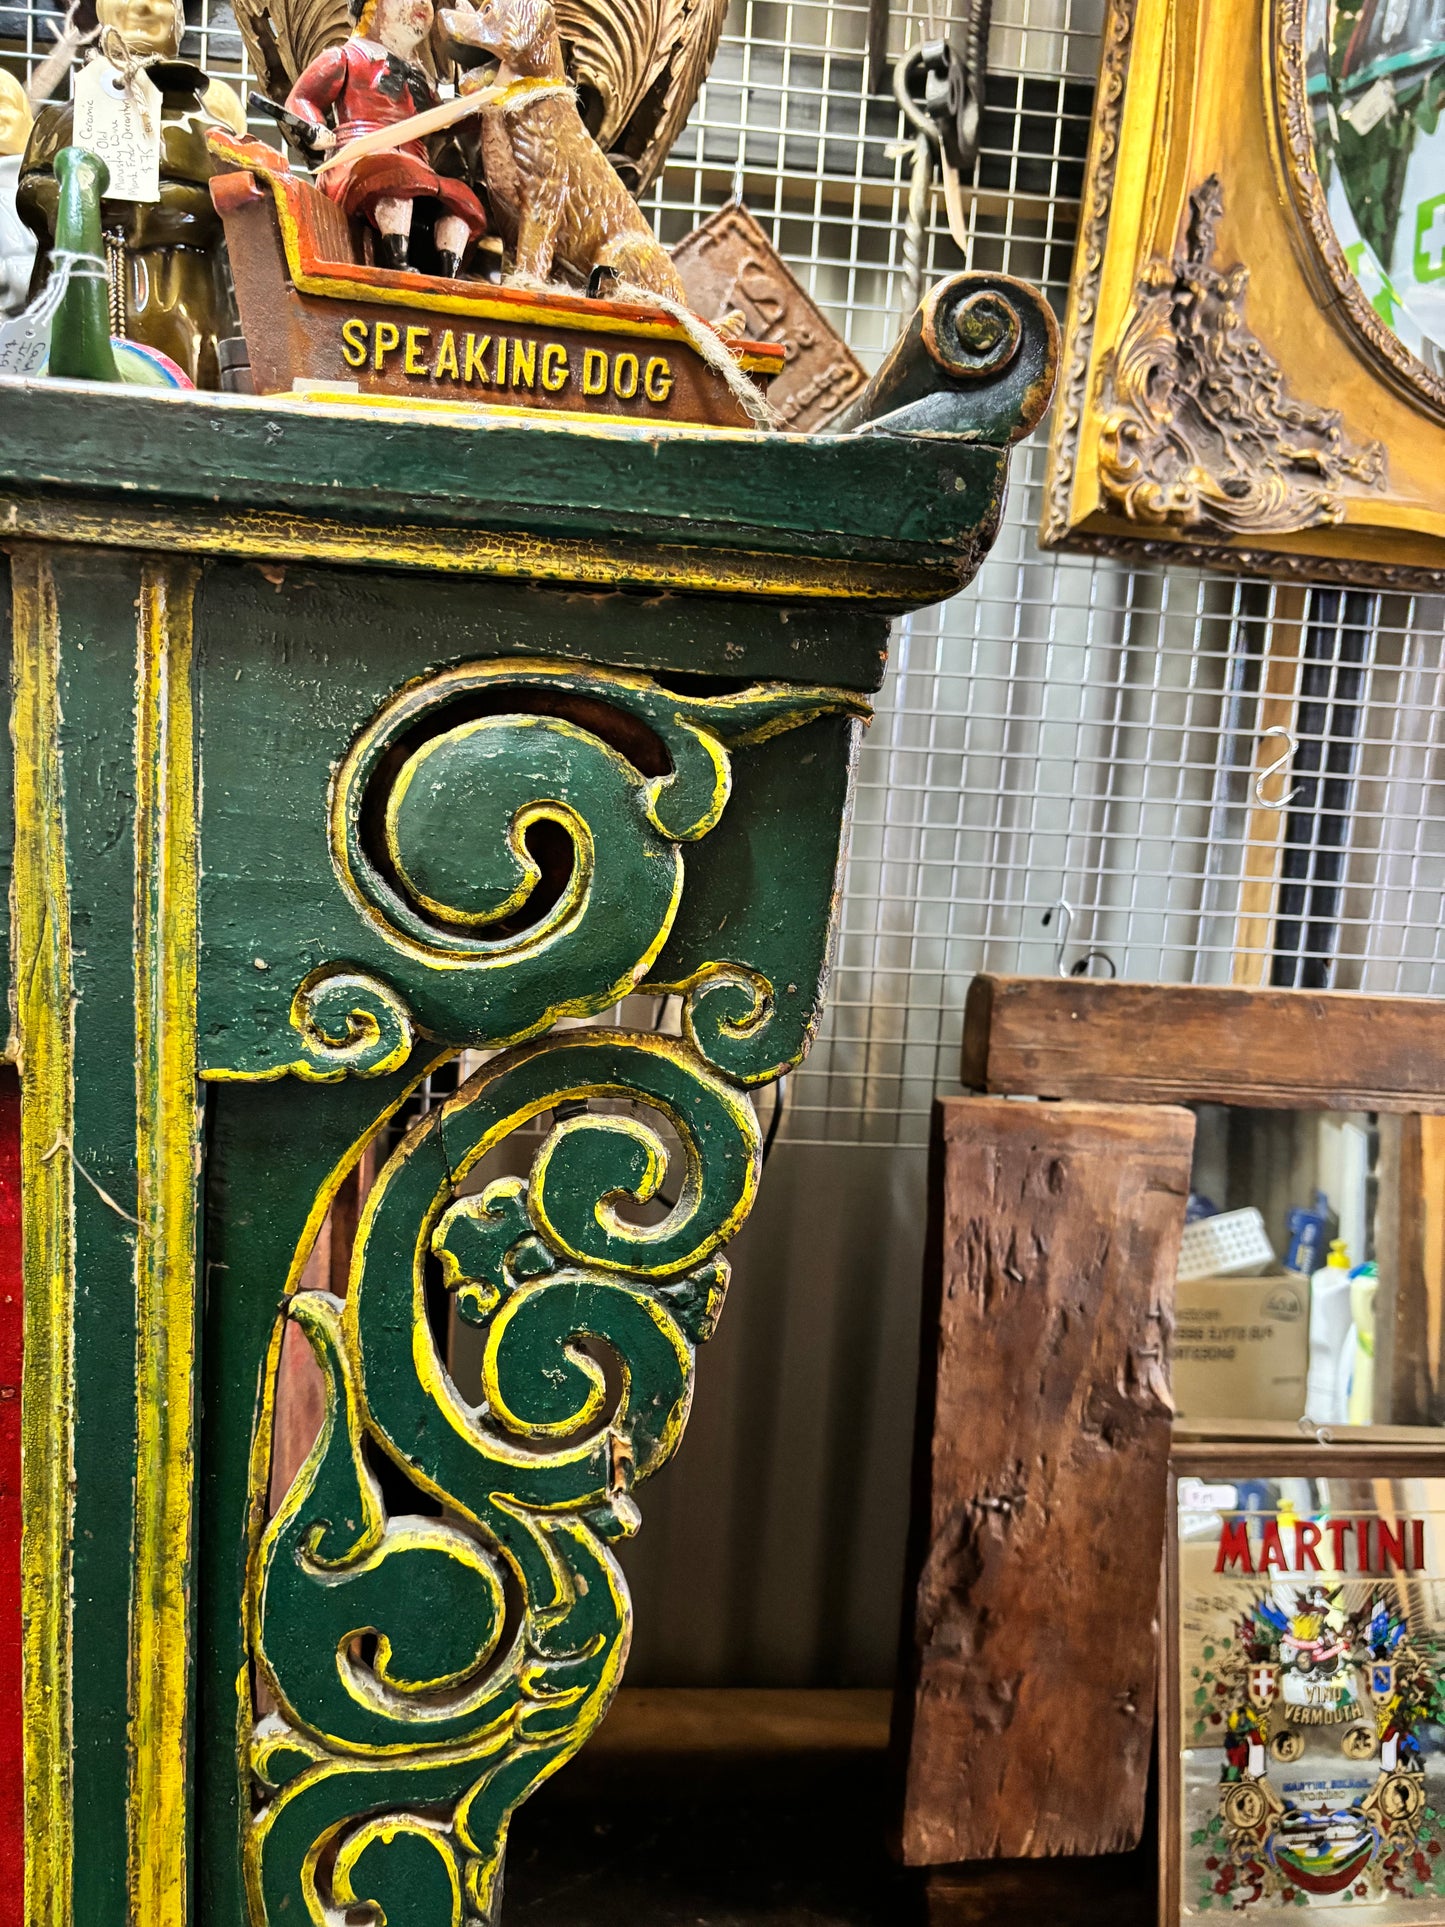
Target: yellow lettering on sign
{"points": [[524, 364], [416, 341], [387, 339], [657, 379], [353, 342], [501, 374], [477, 346], [446, 361], [555, 372], [594, 372], [624, 376]]}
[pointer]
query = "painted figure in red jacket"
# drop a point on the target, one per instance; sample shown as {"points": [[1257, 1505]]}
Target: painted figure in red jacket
{"points": [[374, 80]]}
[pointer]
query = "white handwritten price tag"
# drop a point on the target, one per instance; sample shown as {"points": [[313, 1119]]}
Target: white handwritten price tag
{"points": [[120, 121], [25, 341], [24, 344]]}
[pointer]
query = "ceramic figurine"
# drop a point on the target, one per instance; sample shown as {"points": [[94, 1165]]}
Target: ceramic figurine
{"points": [[17, 245], [169, 288], [374, 80], [556, 196]]}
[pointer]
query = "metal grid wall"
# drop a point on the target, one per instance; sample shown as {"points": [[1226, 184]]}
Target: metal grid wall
{"points": [[1066, 767]]}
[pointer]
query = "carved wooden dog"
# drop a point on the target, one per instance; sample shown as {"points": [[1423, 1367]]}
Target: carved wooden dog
{"points": [[555, 194]]}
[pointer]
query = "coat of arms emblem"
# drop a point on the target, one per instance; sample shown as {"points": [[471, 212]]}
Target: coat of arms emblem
{"points": [[1321, 1794], [1263, 1685]]}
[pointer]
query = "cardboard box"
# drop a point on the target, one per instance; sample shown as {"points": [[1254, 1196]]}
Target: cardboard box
{"points": [[1241, 1347]]}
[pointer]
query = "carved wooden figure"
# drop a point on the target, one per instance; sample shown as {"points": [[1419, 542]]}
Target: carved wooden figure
{"points": [[559, 197], [373, 80], [344, 743]]}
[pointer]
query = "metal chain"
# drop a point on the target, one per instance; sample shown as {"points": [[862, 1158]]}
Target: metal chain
{"points": [[115, 279]]}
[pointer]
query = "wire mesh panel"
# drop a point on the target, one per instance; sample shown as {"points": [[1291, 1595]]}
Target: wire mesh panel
{"points": [[1075, 766]]}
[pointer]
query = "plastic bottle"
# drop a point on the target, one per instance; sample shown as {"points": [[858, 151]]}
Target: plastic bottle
{"points": [[1330, 1326], [1361, 1361], [1308, 1234]]}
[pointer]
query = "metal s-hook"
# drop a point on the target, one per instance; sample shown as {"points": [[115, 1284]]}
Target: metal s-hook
{"points": [[1276, 768], [1081, 966], [1064, 910], [940, 93]]}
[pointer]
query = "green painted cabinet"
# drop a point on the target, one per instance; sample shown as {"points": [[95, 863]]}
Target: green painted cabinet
{"points": [[362, 767]]}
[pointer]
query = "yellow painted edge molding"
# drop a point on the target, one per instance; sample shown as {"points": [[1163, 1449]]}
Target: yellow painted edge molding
{"points": [[166, 1301], [263, 534], [46, 1030]]}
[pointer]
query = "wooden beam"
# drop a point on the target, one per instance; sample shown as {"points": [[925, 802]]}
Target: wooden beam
{"points": [[1043, 1454], [1264, 832], [12, 1336], [1404, 1392], [1183, 1043]]}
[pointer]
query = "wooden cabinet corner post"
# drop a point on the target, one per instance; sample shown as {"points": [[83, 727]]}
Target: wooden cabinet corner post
{"points": [[1025, 1714], [362, 765]]}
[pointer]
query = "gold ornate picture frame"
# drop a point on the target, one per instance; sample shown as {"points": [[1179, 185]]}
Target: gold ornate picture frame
{"points": [[1254, 357]]}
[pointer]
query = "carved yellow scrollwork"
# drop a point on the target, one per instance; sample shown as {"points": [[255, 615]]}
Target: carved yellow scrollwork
{"points": [[424, 1671], [515, 840]]}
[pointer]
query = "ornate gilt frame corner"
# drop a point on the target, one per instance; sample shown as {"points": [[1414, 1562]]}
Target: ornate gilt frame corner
{"points": [[1229, 398]]}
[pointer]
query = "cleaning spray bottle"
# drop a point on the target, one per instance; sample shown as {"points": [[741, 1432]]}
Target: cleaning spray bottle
{"points": [[1330, 1323]]}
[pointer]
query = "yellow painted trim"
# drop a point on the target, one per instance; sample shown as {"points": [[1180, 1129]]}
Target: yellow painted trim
{"points": [[267, 535], [321, 393], [166, 1294], [44, 995]]}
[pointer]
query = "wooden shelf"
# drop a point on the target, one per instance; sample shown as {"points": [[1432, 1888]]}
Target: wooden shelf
{"points": [[671, 1719], [1188, 1433]]}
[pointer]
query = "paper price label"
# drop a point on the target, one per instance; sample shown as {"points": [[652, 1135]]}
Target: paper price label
{"points": [[121, 122], [1371, 108], [24, 344], [25, 341]]}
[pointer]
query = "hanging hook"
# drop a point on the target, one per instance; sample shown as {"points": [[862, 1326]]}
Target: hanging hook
{"points": [[1276, 768], [1082, 966], [1064, 911]]}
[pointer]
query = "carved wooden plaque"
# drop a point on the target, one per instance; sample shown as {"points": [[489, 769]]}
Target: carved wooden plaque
{"points": [[729, 263]]}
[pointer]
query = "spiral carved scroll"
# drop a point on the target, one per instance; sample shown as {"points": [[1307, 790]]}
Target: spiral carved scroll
{"points": [[424, 1673], [513, 836]]}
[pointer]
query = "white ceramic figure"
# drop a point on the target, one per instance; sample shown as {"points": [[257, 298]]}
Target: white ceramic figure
{"points": [[17, 243]]}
